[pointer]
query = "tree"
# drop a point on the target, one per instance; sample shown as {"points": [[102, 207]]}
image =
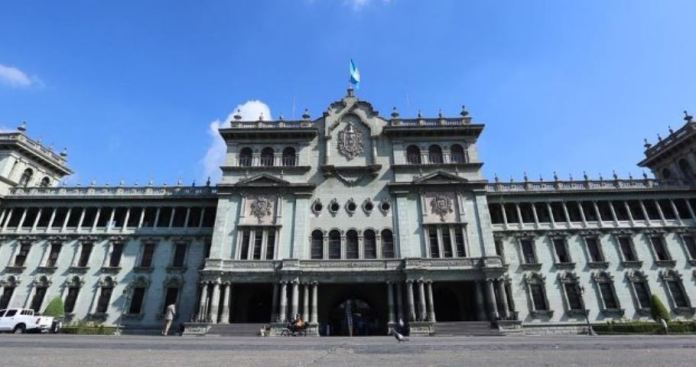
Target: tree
{"points": [[55, 308], [658, 311]]}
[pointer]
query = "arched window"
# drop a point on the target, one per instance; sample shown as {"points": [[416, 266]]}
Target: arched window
{"points": [[267, 157], [370, 245], [245, 157], [413, 155], [334, 245], [457, 154], [45, 182], [666, 174], [26, 177], [536, 290], [352, 244], [289, 157], [435, 154], [387, 244], [317, 248], [107, 288], [685, 167]]}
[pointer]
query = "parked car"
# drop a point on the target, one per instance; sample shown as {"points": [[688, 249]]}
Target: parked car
{"points": [[24, 320]]}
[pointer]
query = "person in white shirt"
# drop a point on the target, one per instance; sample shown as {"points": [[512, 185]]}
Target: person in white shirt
{"points": [[169, 314]]}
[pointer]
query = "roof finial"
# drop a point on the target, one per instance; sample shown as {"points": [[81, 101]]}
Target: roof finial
{"points": [[64, 153], [464, 112], [261, 116], [207, 182], [669, 127], [306, 115], [613, 173], [495, 177], [687, 117], [238, 115], [584, 174], [659, 138], [419, 113], [646, 144], [395, 113], [524, 174], [280, 117], [555, 176], [439, 113], [22, 126]]}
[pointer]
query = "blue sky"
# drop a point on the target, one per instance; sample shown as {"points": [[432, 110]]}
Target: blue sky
{"points": [[132, 88]]}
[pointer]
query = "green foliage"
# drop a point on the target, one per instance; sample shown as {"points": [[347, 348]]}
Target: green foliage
{"points": [[55, 308], [658, 311], [644, 327], [84, 329]]}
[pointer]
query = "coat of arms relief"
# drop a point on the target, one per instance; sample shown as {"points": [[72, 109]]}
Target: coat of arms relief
{"points": [[350, 142], [441, 205], [261, 207]]}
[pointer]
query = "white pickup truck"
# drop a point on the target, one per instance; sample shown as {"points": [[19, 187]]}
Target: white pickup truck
{"points": [[21, 320]]}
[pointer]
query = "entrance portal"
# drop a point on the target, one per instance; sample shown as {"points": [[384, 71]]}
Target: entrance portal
{"points": [[251, 303], [455, 301], [353, 310]]}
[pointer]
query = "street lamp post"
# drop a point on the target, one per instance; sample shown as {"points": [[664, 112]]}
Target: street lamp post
{"points": [[590, 331]]}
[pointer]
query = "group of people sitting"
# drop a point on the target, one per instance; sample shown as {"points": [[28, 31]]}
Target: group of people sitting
{"points": [[297, 324]]}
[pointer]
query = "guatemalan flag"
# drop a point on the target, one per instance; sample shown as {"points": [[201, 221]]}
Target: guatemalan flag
{"points": [[354, 75]]}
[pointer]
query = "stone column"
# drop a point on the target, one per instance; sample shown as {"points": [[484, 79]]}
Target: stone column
{"points": [[399, 301], [503, 299], [274, 303], [480, 304], [422, 314], [283, 302], [225, 304], [390, 302], [295, 297], [314, 315], [409, 296], [203, 303], [305, 304], [490, 293], [431, 303], [214, 302]]}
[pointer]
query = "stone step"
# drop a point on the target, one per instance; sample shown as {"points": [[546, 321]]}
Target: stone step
{"points": [[466, 328], [247, 329]]}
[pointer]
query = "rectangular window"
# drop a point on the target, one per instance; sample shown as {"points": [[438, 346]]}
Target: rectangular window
{"points": [[104, 298], [170, 297], [527, 214], [116, 252], [270, 244], [538, 297], [434, 244], [446, 242], [511, 213], [528, 251], [165, 215], [150, 216], [459, 240], [682, 209], [15, 217], [559, 214], [148, 253], [209, 216], [90, 216], [610, 301], [678, 295], [559, 245], [574, 297], [660, 248], [74, 218], [589, 210], [574, 211], [59, 219], [179, 217], [44, 218], [194, 219], [258, 241], [21, 257], [84, 254], [52, 260], [30, 218], [594, 249], [666, 207], [626, 245], [496, 213], [104, 217], [542, 212], [119, 217], [642, 294], [134, 217], [690, 244], [71, 299], [651, 208], [605, 211], [136, 305], [246, 234], [6, 296], [37, 301], [620, 210], [179, 255], [636, 210]]}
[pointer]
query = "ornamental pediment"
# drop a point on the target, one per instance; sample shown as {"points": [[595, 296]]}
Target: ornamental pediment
{"points": [[439, 177], [263, 179]]}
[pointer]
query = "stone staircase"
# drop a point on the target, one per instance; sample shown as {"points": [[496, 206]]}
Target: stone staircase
{"points": [[235, 329], [466, 328]]}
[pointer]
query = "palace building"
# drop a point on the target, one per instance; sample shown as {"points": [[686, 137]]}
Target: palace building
{"points": [[353, 220]]}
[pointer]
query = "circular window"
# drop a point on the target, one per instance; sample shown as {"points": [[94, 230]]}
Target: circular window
{"points": [[385, 206], [369, 206], [351, 206], [318, 207], [334, 207]]}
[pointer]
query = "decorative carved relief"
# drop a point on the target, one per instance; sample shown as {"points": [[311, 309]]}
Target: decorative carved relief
{"points": [[350, 142], [441, 205], [261, 207]]}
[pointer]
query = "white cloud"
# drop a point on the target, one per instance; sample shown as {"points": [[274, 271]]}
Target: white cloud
{"points": [[215, 156], [359, 4], [14, 77]]}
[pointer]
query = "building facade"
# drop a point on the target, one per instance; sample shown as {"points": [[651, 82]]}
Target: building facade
{"points": [[353, 220]]}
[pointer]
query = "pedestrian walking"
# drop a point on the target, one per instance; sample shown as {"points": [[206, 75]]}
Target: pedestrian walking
{"points": [[169, 314]]}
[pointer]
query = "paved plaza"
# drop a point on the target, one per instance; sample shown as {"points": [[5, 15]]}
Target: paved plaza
{"points": [[144, 351]]}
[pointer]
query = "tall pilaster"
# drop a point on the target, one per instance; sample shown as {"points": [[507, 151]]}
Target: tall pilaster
{"points": [[422, 314], [314, 315], [305, 303], [295, 297]]}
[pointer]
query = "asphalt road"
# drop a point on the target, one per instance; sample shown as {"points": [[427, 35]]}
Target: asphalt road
{"points": [[145, 351]]}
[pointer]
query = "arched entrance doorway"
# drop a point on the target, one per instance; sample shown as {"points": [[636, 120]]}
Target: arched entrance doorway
{"points": [[353, 309], [354, 317]]}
